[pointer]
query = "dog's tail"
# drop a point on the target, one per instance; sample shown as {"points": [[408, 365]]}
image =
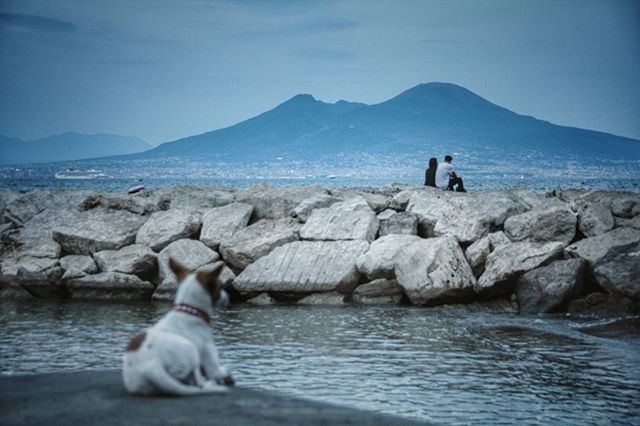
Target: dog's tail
{"points": [[166, 383]]}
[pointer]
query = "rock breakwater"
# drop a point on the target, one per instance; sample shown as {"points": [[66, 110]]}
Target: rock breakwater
{"points": [[570, 250]]}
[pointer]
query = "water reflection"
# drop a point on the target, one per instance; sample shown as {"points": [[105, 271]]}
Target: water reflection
{"points": [[446, 366]]}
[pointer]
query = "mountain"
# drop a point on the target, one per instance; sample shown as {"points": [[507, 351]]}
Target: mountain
{"points": [[439, 115], [67, 146]]}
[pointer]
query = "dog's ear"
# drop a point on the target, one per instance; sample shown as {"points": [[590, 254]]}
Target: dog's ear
{"points": [[180, 271], [209, 280]]}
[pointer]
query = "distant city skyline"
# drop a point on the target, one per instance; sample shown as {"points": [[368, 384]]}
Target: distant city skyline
{"points": [[166, 70]]}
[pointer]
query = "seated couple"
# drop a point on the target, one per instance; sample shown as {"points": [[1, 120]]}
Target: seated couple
{"points": [[443, 176]]}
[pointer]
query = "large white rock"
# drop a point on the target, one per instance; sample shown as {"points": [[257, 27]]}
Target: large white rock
{"points": [[136, 259], [165, 227], [275, 203], [28, 205], [549, 288], [317, 201], [392, 222], [555, 224], [595, 249], [143, 203], [77, 265], [594, 218], [219, 224], [506, 263], [45, 265], [251, 243], [303, 266], [477, 254], [380, 260], [110, 285], [95, 230], [434, 271], [351, 219], [192, 254], [197, 197], [167, 288], [465, 216]]}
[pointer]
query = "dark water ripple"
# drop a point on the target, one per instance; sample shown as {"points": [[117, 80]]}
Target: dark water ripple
{"points": [[441, 365]]}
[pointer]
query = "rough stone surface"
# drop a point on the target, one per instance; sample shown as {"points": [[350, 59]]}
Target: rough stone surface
{"points": [[548, 288], [378, 292], [220, 223], [191, 254], [136, 259], [502, 305], [10, 289], [379, 261], [304, 266], [434, 271], [400, 201], [167, 288], [351, 219], [253, 242], [97, 230], [262, 299], [110, 285], [620, 272], [392, 222], [168, 226], [77, 265], [196, 197], [317, 201], [497, 239], [377, 202], [26, 206], [477, 254], [465, 216], [624, 206], [631, 223], [594, 249], [507, 262], [142, 203], [275, 203], [11, 265], [62, 399], [555, 224], [328, 298], [604, 304], [595, 219]]}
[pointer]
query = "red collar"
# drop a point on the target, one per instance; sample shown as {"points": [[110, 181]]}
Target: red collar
{"points": [[192, 310]]}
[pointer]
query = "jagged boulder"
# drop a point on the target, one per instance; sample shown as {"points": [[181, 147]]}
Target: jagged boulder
{"points": [[28, 205], [351, 219], [109, 285], [77, 265], [378, 292], [167, 288], [45, 265], [377, 202], [197, 197], [317, 201], [467, 217], [555, 224], [35, 238], [631, 223], [619, 272], [165, 227], [192, 254], [477, 254], [303, 267], [380, 260], [7, 196], [39, 284], [594, 219], [275, 203], [604, 304], [595, 249], [506, 263], [136, 259], [251, 243], [392, 222], [549, 288], [434, 271], [142, 203], [220, 223], [327, 298], [400, 201], [96, 230]]}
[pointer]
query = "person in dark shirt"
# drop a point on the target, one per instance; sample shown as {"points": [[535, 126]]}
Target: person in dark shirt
{"points": [[430, 174]]}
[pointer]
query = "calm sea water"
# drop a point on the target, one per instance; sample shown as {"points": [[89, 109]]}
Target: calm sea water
{"points": [[444, 365]]}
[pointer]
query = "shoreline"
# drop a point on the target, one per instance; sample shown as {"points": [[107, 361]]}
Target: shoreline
{"points": [[98, 397], [511, 250]]}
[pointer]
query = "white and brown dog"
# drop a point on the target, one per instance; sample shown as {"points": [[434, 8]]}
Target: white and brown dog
{"points": [[177, 356]]}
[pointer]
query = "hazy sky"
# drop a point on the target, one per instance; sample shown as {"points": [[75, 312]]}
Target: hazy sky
{"points": [[162, 70]]}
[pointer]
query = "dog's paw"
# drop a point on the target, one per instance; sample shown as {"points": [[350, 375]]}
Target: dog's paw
{"points": [[226, 380]]}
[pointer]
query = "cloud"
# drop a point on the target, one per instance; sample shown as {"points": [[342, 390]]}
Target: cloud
{"points": [[308, 26], [325, 54], [36, 23]]}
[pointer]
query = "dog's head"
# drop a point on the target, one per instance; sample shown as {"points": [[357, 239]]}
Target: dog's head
{"points": [[193, 284]]}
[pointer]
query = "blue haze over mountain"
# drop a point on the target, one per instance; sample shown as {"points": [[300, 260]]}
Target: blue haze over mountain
{"points": [[440, 115], [67, 146]]}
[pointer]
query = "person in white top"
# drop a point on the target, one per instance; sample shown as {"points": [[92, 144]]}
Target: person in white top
{"points": [[446, 178]]}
